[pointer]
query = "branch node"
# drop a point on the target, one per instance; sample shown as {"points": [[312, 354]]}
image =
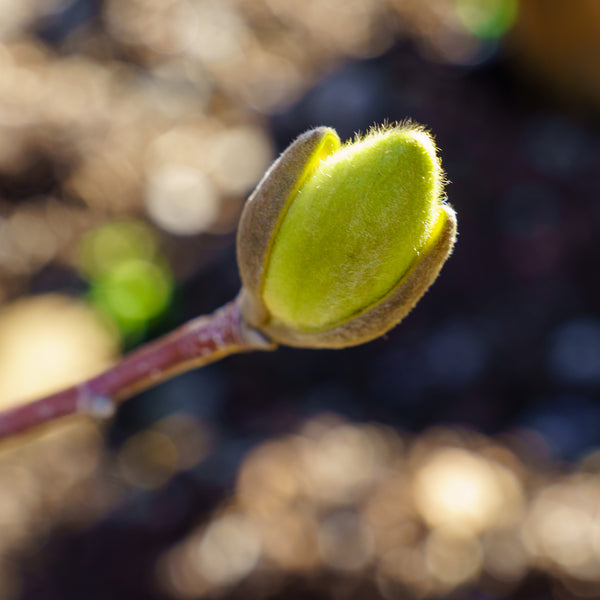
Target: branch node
{"points": [[94, 405]]}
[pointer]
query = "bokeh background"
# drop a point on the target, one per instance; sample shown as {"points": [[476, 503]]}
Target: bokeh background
{"points": [[456, 458]]}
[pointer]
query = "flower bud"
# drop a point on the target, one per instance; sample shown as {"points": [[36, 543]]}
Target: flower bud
{"points": [[338, 242]]}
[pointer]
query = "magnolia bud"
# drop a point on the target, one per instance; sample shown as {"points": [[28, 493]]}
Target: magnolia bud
{"points": [[338, 242]]}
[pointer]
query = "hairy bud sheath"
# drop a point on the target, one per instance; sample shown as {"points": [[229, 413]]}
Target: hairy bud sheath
{"points": [[338, 242]]}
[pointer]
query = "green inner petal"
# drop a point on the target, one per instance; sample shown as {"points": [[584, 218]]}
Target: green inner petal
{"points": [[354, 228]]}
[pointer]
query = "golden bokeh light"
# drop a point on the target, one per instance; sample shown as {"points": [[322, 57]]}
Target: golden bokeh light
{"points": [[563, 527], [228, 550], [457, 488], [52, 478], [345, 541], [404, 568], [452, 558], [181, 200], [290, 540], [429, 518], [506, 558], [148, 459], [238, 158], [63, 337], [269, 480], [221, 32], [341, 464]]}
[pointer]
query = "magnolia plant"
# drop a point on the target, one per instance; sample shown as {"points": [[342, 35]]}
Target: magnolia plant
{"points": [[335, 246]]}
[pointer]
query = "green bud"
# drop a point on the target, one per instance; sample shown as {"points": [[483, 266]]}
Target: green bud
{"points": [[338, 242]]}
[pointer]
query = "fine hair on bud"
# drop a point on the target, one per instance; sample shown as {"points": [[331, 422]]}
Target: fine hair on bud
{"points": [[339, 241]]}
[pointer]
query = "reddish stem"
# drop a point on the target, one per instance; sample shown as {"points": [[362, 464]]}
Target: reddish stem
{"points": [[196, 343]]}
